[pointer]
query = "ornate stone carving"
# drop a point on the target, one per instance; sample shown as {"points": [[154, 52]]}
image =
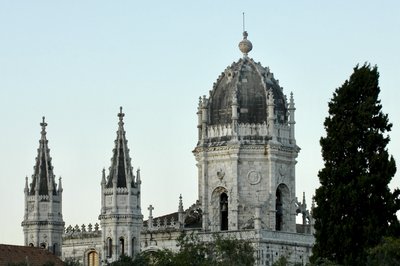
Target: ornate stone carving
{"points": [[283, 170], [220, 174], [254, 177]]}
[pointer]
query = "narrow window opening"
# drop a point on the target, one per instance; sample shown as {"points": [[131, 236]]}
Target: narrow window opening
{"points": [[133, 247], [122, 245], [55, 249], [224, 211], [109, 248], [279, 211]]}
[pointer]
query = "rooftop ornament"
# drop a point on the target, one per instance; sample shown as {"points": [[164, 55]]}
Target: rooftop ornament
{"points": [[245, 46]]}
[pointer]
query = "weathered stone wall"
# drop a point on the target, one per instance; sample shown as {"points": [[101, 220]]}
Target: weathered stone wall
{"points": [[77, 245], [269, 245]]}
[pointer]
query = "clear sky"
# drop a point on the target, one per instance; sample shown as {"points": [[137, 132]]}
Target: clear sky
{"points": [[76, 62]]}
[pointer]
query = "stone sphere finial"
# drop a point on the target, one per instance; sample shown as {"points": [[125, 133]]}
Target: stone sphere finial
{"points": [[245, 45]]}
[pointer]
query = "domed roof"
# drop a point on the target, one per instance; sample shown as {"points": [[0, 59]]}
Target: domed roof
{"points": [[250, 84]]}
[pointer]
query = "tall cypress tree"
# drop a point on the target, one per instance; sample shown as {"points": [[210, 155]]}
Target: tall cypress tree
{"points": [[355, 207]]}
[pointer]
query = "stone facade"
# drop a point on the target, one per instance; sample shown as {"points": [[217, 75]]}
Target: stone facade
{"points": [[83, 244], [246, 156], [247, 152]]}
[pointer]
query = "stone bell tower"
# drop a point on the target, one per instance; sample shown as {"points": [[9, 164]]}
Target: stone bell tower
{"points": [[246, 151], [121, 217], [43, 223]]}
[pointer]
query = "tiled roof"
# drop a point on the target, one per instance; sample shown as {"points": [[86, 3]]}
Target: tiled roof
{"points": [[32, 256], [249, 84]]}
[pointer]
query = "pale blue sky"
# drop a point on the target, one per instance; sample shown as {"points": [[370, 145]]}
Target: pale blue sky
{"points": [[76, 62]]}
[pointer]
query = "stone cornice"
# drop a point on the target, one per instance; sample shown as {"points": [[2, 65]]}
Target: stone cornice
{"points": [[247, 147], [43, 223], [119, 216]]}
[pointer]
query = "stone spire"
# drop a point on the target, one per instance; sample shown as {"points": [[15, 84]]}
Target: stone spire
{"points": [[150, 221], [180, 207], [43, 177], [60, 189], [181, 212], [292, 122], [121, 218], [26, 190], [121, 168], [43, 224]]}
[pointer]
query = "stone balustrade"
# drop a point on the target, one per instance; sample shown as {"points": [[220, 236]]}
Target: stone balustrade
{"points": [[282, 132], [287, 237], [162, 223], [82, 231], [120, 190]]}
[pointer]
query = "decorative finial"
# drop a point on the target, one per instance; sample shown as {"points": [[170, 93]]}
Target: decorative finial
{"points": [[150, 208], [291, 102], [180, 207], [121, 117], [181, 218], [121, 114], [60, 184], [26, 184], [43, 124], [103, 176], [245, 46]]}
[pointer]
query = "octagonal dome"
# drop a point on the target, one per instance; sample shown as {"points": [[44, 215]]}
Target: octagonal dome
{"points": [[251, 84]]}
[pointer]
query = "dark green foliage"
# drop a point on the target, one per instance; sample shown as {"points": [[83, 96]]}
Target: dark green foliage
{"points": [[192, 251], [220, 251], [282, 261], [71, 262], [230, 251], [123, 261], [159, 257], [355, 207], [323, 262], [385, 254]]}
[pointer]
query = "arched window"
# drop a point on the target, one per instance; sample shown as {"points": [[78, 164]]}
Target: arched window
{"points": [[279, 210], [31, 245], [43, 245], [109, 247], [281, 207], [122, 246], [223, 205], [55, 249], [93, 258]]}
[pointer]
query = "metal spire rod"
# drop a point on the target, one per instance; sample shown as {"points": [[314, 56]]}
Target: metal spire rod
{"points": [[243, 23]]}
